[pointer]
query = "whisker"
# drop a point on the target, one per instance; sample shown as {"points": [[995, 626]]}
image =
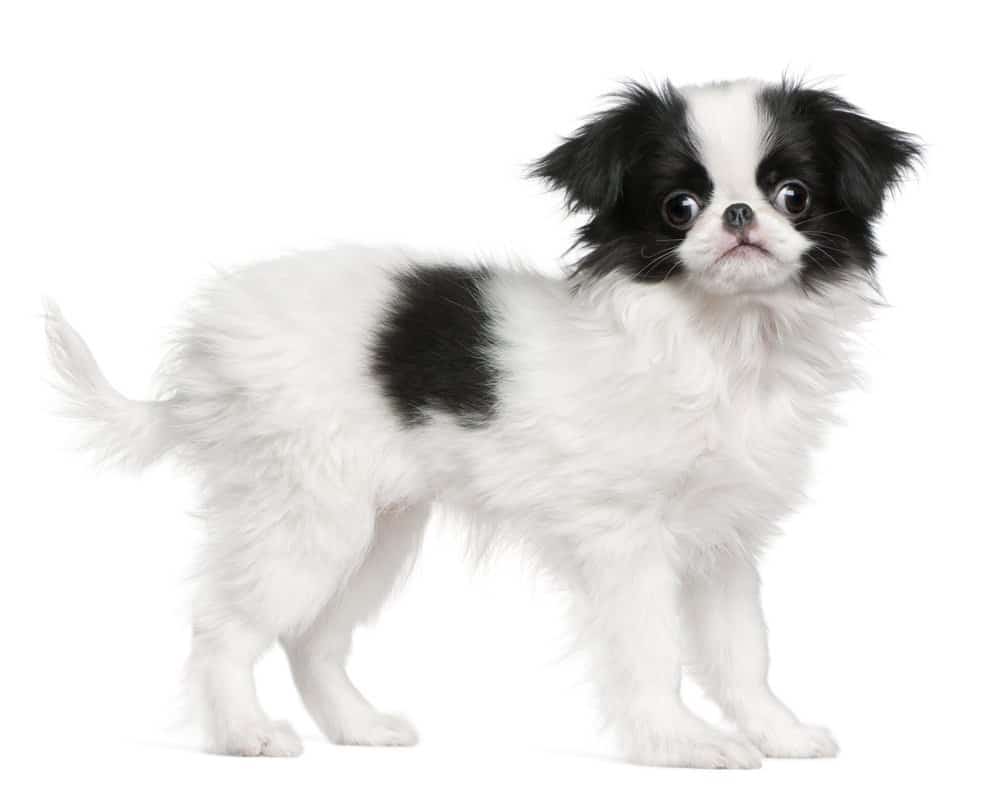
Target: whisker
{"points": [[650, 266], [823, 215], [824, 234], [825, 249], [656, 260], [828, 257], [673, 268], [645, 256], [811, 259], [639, 274]]}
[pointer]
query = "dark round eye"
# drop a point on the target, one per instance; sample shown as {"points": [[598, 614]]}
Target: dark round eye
{"points": [[680, 209], [791, 198]]}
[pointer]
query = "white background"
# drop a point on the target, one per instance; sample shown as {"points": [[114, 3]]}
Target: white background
{"points": [[143, 144]]}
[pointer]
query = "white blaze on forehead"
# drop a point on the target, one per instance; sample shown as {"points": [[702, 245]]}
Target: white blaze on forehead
{"points": [[728, 128], [729, 131]]}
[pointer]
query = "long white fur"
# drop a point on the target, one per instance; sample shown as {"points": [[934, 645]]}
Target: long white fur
{"points": [[648, 440]]}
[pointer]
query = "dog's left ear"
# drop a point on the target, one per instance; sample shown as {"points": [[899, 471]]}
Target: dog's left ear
{"points": [[591, 166], [871, 158]]}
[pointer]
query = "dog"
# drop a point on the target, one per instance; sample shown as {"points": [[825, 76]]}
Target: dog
{"points": [[641, 424]]}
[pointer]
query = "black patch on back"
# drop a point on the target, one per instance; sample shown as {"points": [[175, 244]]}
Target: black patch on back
{"points": [[434, 349]]}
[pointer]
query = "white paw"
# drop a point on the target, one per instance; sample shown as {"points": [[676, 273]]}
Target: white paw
{"points": [[379, 730], [718, 752], [794, 740], [263, 737], [711, 750]]}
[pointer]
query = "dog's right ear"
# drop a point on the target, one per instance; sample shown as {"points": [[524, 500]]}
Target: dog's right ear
{"points": [[591, 166], [588, 167]]}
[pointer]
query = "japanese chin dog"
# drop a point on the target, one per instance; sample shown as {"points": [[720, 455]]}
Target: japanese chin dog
{"points": [[641, 424]]}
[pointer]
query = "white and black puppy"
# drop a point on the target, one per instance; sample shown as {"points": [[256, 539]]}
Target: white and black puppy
{"points": [[642, 424]]}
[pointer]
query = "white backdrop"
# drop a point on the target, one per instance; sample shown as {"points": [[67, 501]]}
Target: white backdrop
{"points": [[144, 143]]}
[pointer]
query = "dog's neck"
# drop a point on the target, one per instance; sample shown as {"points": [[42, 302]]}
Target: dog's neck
{"points": [[743, 333]]}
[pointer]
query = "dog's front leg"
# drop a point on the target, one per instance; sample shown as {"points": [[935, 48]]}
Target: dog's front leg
{"points": [[726, 626], [631, 607]]}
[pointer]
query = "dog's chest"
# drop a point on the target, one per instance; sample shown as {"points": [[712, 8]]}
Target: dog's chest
{"points": [[720, 437], [700, 444]]}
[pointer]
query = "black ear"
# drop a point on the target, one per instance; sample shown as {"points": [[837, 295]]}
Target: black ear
{"points": [[871, 158], [591, 166]]}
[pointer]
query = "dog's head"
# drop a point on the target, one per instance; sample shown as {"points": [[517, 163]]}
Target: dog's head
{"points": [[737, 187]]}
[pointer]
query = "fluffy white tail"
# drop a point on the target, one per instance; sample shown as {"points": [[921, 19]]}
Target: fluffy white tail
{"points": [[127, 432]]}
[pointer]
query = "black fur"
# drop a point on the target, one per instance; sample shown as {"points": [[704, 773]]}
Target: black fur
{"points": [[434, 347], [848, 162], [621, 165]]}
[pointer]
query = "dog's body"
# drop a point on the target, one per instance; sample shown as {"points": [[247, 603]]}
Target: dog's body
{"points": [[642, 435]]}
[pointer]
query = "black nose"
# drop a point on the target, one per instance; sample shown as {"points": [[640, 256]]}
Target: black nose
{"points": [[738, 215]]}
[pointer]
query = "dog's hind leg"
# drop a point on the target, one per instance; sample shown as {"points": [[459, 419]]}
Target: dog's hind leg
{"points": [[318, 655], [279, 547]]}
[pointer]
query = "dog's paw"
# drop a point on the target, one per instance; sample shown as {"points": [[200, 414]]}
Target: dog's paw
{"points": [[794, 740], [718, 752], [379, 730], [262, 738], [711, 750]]}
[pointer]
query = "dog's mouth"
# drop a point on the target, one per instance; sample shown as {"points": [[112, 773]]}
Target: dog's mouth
{"points": [[741, 250]]}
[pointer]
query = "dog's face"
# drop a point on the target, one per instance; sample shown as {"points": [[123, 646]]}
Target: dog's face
{"points": [[737, 187]]}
